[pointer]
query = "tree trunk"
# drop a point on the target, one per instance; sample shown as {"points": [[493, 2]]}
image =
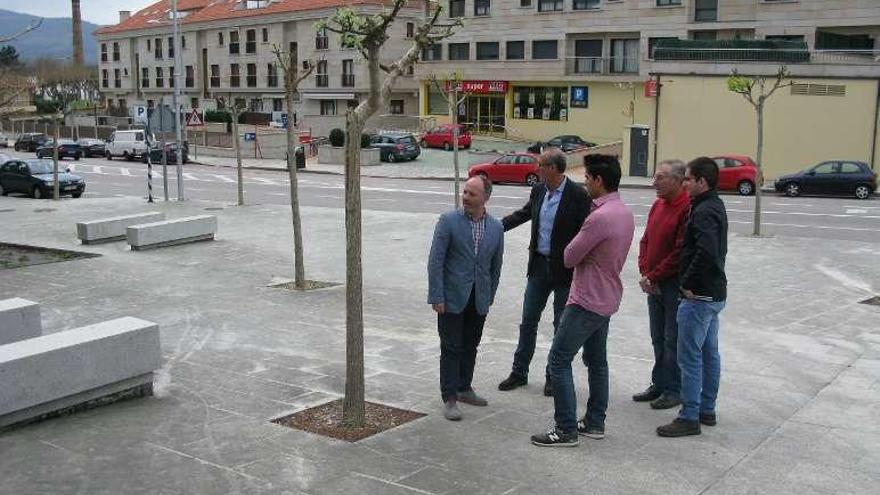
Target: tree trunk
{"points": [[78, 58], [237, 146], [353, 404], [299, 268], [56, 189], [453, 107], [760, 177]]}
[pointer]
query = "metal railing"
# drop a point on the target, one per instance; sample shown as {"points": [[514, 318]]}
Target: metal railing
{"points": [[347, 80], [601, 65], [790, 56], [322, 80]]}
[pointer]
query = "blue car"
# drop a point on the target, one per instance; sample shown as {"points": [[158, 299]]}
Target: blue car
{"points": [[35, 178], [833, 177]]}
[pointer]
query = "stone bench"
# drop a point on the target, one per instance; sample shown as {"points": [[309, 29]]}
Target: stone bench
{"points": [[19, 320], [112, 229], [76, 369], [172, 232]]}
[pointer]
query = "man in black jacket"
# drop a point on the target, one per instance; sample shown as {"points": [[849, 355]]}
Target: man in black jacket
{"points": [[703, 287], [557, 208]]}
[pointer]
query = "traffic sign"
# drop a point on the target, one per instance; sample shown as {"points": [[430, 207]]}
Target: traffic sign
{"points": [[250, 136], [285, 120], [140, 115], [195, 119]]}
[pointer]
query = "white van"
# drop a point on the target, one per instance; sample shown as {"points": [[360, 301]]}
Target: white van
{"points": [[127, 144]]}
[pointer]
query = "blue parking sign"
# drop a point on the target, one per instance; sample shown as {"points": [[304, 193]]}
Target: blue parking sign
{"points": [[250, 136], [580, 96]]}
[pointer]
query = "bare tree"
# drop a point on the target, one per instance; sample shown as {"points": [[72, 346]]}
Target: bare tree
{"points": [[237, 145], [368, 33], [76, 15], [757, 90], [451, 90], [289, 64]]}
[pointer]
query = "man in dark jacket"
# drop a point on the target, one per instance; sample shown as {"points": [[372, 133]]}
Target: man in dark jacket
{"points": [[557, 208], [704, 292]]}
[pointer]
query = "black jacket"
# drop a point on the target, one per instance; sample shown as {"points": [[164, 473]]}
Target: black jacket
{"points": [[705, 248], [574, 206]]}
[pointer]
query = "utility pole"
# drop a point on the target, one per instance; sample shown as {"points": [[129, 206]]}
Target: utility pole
{"points": [[175, 98]]}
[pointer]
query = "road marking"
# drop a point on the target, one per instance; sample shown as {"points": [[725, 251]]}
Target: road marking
{"points": [[223, 178], [189, 176], [852, 211], [263, 181], [124, 171], [97, 169], [799, 226], [798, 205], [801, 213]]}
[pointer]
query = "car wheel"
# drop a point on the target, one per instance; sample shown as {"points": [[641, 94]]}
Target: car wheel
{"points": [[77, 157], [77, 194], [423, 144], [531, 179], [108, 155], [126, 156], [792, 189], [3, 191], [863, 192], [37, 193], [392, 158], [745, 188], [447, 146]]}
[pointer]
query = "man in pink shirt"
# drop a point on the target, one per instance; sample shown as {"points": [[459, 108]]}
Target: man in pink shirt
{"points": [[597, 254]]}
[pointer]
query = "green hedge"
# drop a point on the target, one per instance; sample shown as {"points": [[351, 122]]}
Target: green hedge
{"points": [[218, 116], [732, 50]]}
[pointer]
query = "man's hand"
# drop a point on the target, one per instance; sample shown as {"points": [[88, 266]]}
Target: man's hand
{"points": [[646, 286], [687, 294], [439, 308]]}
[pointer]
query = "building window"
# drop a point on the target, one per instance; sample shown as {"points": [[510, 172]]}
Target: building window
{"points": [[515, 50], [145, 77], [540, 103], [220, 38], [272, 76], [433, 52], [322, 80], [588, 56], [117, 82], [265, 35], [525, 3], [328, 107], [240, 103], [549, 5], [652, 44], [252, 75], [183, 42], [456, 8], [459, 51], [487, 51], [233, 43], [625, 55], [170, 47], [705, 10], [160, 77], [585, 4], [194, 103], [348, 73], [255, 105], [215, 76], [250, 45], [151, 103], [544, 49], [664, 3], [121, 103], [704, 35], [396, 107], [234, 76], [322, 40], [190, 76], [116, 55], [157, 48], [171, 77], [410, 30], [481, 7], [277, 105], [105, 78]]}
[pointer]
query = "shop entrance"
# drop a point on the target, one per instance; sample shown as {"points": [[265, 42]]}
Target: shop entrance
{"points": [[484, 114]]}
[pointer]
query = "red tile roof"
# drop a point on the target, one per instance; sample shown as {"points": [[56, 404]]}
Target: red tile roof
{"points": [[157, 14]]}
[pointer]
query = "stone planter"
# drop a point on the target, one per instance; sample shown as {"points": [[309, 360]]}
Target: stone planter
{"points": [[331, 155]]}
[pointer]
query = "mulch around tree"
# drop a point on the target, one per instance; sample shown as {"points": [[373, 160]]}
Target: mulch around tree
{"points": [[309, 285], [326, 420]]}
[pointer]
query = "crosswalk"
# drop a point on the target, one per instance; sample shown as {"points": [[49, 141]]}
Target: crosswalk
{"points": [[139, 173]]}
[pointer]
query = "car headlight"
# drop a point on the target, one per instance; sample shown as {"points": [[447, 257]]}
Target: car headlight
{"points": [[50, 183]]}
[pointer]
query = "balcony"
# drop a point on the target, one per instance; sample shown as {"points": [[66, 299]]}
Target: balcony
{"points": [[322, 81], [601, 65], [347, 80]]}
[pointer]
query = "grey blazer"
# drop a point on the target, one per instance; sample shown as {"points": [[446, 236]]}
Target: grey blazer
{"points": [[453, 268]]}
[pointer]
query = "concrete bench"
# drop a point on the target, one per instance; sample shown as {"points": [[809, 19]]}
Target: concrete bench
{"points": [[172, 232], [76, 369], [113, 229], [19, 320]]}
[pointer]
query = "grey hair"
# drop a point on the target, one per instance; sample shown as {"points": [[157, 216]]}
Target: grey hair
{"points": [[487, 186], [676, 167], [556, 158]]}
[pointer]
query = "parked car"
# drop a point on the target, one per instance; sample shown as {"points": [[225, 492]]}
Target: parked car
{"points": [[4, 140], [396, 146], [127, 144], [92, 147], [837, 177], [521, 168], [29, 141], [67, 148], [441, 137], [170, 154], [567, 142], [737, 173], [34, 177]]}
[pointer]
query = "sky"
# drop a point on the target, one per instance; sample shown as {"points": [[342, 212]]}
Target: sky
{"points": [[96, 11]]}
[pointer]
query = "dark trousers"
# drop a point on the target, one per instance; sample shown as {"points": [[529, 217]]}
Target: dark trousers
{"points": [[538, 288], [662, 314], [460, 335]]}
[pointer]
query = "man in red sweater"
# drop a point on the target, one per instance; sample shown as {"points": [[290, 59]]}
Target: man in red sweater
{"points": [[659, 250]]}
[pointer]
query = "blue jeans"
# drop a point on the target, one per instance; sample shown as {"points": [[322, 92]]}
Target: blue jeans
{"points": [[662, 314], [538, 289], [579, 329], [698, 356]]}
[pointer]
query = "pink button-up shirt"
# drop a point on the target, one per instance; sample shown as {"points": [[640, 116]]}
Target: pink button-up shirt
{"points": [[597, 254]]}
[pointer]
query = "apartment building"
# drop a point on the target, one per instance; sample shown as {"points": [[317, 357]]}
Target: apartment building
{"points": [[228, 52], [538, 68]]}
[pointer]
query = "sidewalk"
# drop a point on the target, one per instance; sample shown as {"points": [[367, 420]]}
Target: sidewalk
{"points": [[797, 410]]}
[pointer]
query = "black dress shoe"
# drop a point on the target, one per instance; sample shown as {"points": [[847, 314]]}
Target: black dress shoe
{"points": [[665, 402], [679, 428], [548, 387], [648, 395], [513, 381], [708, 419]]}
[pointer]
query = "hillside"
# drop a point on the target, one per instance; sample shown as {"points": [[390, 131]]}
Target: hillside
{"points": [[51, 40]]}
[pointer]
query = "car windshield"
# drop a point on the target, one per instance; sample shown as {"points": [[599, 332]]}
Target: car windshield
{"points": [[406, 140], [40, 166]]}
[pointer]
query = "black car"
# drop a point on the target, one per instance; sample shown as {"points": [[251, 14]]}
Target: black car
{"points": [[35, 178], [67, 148], [397, 146], [92, 147], [170, 154], [566, 143], [837, 177], [30, 141]]}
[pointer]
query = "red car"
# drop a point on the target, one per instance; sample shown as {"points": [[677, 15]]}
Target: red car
{"points": [[737, 173], [521, 168], [441, 137]]}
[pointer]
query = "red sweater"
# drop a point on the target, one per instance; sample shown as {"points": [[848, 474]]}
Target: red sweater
{"points": [[661, 243]]}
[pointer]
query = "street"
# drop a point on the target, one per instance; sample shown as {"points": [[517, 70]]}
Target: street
{"points": [[831, 218]]}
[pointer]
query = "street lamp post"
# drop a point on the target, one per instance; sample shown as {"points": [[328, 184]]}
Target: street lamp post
{"points": [[175, 98]]}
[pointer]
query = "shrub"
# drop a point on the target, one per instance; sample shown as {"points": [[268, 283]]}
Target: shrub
{"points": [[218, 116], [337, 137], [365, 140]]}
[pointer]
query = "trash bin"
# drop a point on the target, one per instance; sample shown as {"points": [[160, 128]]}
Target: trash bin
{"points": [[300, 157]]}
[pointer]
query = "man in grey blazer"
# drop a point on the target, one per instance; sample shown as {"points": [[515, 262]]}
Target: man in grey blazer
{"points": [[463, 272]]}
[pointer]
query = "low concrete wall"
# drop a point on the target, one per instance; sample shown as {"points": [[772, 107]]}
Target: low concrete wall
{"points": [[575, 159], [172, 232], [331, 155], [19, 320], [112, 229], [65, 369]]}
